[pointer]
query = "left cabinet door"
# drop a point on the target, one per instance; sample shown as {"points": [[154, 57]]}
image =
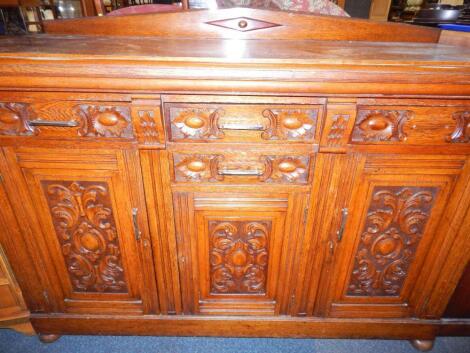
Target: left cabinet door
{"points": [[85, 209]]}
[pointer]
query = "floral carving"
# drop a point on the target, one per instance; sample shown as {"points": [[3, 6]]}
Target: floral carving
{"points": [[461, 133], [14, 119], [338, 127], [289, 124], [197, 167], [395, 222], [196, 123], [85, 226], [238, 256], [380, 125], [104, 121], [285, 169]]}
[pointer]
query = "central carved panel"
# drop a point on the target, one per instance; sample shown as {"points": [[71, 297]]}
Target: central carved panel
{"points": [[395, 222], [85, 226], [238, 256]]}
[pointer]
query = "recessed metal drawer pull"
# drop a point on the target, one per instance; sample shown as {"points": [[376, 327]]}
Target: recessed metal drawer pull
{"points": [[240, 172], [53, 123], [235, 126]]}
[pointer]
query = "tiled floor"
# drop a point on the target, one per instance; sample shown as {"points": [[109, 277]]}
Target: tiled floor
{"points": [[12, 342]]}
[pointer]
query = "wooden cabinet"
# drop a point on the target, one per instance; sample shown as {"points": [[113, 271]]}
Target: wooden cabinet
{"points": [[88, 229], [235, 250], [391, 231], [230, 183]]}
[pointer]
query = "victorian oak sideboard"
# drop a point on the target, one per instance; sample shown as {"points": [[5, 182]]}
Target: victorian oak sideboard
{"points": [[239, 172]]}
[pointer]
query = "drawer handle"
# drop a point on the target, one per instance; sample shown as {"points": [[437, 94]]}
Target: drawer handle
{"points": [[235, 126], [240, 172], [344, 217], [54, 123], [137, 232]]}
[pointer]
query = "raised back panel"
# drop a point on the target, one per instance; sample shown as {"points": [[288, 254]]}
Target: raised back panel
{"points": [[244, 23]]}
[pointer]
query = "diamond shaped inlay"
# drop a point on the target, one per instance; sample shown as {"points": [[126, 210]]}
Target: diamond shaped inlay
{"points": [[243, 24]]}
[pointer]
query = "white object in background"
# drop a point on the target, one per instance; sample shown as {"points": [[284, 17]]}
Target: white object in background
{"points": [[452, 2]]}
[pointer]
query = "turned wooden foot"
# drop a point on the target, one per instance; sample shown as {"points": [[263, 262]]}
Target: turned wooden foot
{"points": [[48, 338], [422, 345]]}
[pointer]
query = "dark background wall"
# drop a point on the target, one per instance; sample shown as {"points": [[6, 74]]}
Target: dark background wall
{"points": [[358, 8]]}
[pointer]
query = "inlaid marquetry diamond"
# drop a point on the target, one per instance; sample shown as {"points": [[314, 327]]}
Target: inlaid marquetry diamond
{"points": [[243, 24]]}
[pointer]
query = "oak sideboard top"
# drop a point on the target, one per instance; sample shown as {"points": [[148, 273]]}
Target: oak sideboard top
{"points": [[238, 50]]}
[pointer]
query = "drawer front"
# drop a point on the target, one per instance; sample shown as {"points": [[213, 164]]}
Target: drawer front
{"points": [[241, 167], [197, 122], [411, 125], [65, 119]]}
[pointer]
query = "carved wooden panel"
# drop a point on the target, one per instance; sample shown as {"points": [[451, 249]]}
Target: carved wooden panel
{"points": [[243, 24], [338, 128], [295, 124], [148, 125], [266, 169], [104, 121], [395, 222], [285, 169], [380, 125], [238, 256], [85, 226], [197, 167], [14, 119], [195, 123], [461, 133]]}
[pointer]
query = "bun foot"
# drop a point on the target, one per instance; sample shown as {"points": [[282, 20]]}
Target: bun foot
{"points": [[422, 345], [48, 338]]}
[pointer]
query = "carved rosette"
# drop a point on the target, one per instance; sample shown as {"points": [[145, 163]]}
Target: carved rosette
{"points": [[395, 222], [238, 256], [461, 133], [289, 124], [285, 169], [380, 125], [104, 121], [196, 124], [197, 167], [14, 119], [337, 129], [86, 230]]}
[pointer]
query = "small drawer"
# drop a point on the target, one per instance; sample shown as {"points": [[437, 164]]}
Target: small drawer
{"points": [[411, 125], [65, 119], [220, 122], [241, 167]]}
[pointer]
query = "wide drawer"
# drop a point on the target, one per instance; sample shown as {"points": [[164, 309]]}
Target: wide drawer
{"points": [[242, 167], [411, 125], [66, 119], [251, 119]]}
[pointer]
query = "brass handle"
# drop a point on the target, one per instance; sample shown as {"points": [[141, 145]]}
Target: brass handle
{"points": [[53, 123], [344, 217], [137, 232], [240, 172], [235, 126]]}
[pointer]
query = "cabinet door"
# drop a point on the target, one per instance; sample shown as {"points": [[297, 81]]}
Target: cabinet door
{"points": [[86, 206], [400, 216], [234, 250]]}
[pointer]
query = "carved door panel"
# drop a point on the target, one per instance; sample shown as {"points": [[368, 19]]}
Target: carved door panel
{"points": [[234, 251], [389, 234], [89, 223]]}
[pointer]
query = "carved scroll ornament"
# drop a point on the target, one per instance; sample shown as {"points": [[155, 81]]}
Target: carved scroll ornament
{"points": [[395, 222], [86, 230], [238, 256]]}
